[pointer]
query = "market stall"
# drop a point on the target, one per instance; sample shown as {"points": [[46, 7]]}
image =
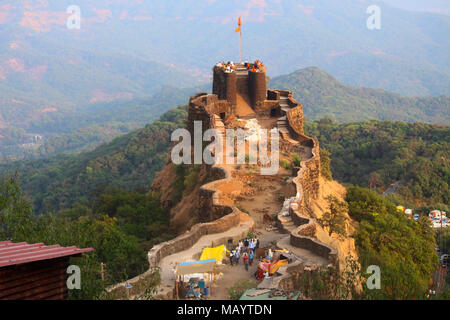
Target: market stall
{"points": [[198, 284]]}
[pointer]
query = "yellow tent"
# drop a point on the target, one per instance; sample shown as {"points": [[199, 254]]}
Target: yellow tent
{"points": [[216, 253]]}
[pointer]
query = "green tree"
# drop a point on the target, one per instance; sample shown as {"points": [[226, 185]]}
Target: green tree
{"points": [[120, 252], [334, 219]]}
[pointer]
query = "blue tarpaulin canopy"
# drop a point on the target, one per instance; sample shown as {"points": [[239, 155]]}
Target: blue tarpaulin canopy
{"points": [[196, 262], [201, 266]]}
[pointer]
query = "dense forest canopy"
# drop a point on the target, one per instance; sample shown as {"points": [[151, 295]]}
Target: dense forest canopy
{"points": [[401, 247], [115, 242], [129, 162], [377, 154]]}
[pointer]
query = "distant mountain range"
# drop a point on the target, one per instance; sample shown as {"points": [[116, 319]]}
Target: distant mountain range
{"points": [[84, 128], [324, 96], [36, 83], [130, 48], [52, 77]]}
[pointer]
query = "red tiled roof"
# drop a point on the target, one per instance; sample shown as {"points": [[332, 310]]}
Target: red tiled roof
{"points": [[22, 252]]}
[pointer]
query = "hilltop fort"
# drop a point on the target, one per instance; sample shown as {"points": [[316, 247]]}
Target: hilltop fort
{"points": [[222, 203]]}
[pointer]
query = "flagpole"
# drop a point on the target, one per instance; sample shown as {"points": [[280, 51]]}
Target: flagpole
{"points": [[240, 36]]}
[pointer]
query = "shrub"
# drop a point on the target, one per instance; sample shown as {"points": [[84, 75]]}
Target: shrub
{"points": [[296, 159], [285, 164], [238, 289], [191, 178], [242, 209]]}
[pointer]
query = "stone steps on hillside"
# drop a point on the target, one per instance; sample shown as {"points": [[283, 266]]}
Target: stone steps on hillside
{"points": [[283, 128], [282, 124], [287, 224]]}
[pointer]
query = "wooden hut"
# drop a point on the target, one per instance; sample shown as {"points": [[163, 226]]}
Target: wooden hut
{"points": [[35, 271]]}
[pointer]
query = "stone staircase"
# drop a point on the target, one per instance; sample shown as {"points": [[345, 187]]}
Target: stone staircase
{"points": [[283, 125], [282, 122], [283, 128], [284, 102], [305, 255], [287, 224]]}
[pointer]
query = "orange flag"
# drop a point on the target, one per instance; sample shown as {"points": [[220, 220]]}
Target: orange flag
{"points": [[239, 24]]}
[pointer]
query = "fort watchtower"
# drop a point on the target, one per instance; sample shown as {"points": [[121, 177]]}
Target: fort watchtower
{"points": [[241, 90], [243, 85]]}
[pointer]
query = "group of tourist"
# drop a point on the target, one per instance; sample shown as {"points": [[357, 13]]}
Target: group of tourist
{"points": [[229, 66], [255, 66], [246, 248], [226, 66]]}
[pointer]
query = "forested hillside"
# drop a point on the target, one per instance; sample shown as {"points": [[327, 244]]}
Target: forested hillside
{"points": [[128, 162], [121, 226], [371, 154], [324, 96], [378, 153], [402, 248]]}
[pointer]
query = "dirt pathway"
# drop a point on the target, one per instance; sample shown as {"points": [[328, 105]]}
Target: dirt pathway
{"points": [[168, 263]]}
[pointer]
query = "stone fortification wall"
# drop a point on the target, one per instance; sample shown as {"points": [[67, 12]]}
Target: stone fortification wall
{"points": [[307, 185], [203, 107], [226, 85]]}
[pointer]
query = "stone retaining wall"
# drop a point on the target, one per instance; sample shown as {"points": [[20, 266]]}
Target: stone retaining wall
{"points": [[307, 185]]}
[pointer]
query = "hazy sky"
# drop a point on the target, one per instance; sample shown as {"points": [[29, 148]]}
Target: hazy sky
{"points": [[437, 6]]}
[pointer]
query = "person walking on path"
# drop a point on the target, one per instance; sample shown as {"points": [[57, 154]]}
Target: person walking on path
{"points": [[245, 259], [237, 255], [250, 257], [231, 257], [251, 244]]}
